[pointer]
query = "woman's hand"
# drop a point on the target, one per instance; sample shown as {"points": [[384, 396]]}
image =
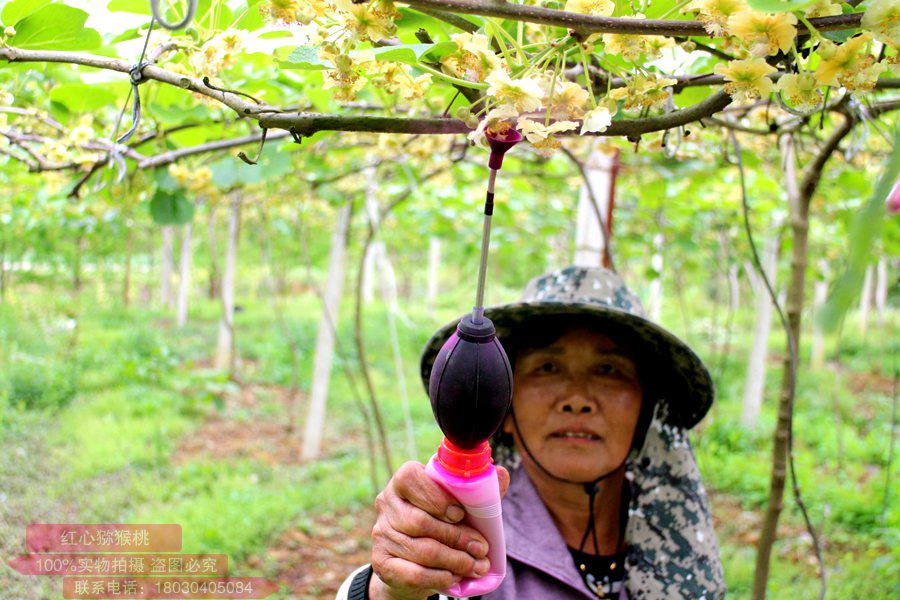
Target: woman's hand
{"points": [[418, 542]]}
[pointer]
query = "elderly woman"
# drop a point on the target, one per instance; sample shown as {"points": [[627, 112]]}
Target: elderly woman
{"points": [[604, 497]]}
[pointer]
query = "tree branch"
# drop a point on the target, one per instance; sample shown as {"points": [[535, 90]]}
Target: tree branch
{"points": [[24, 112], [632, 129], [167, 158], [591, 24]]}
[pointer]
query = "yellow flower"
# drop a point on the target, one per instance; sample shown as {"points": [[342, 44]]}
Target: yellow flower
{"points": [[746, 79], [347, 79], [596, 120], [220, 52], [863, 80], [823, 8], [764, 34], [371, 21], [714, 14], [415, 88], [524, 94], [6, 99], [842, 62], [281, 10], [569, 100], [631, 47], [55, 152], [882, 18], [180, 173], [800, 92], [497, 122], [81, 134], [655, 44], [541, 136], [345, 84], [86, 161], [644, 92], [233, 39], [200, 180], [600, 8], [397, 79], [474, 60]]}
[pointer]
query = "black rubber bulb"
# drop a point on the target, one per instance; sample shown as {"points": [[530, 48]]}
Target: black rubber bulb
{"points": [[471, 384]]}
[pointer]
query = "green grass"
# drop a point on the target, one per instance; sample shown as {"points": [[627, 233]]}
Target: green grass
{"points": [[124, 388], [237, 508]]}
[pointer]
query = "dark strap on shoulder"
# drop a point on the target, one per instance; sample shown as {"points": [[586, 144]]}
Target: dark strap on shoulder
{"points": [[359, 587]]}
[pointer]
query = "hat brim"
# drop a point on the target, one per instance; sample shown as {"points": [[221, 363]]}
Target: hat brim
{"points": [[680, 379]]}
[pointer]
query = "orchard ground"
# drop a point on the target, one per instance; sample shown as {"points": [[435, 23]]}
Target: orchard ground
{"points": [[112, 414]]}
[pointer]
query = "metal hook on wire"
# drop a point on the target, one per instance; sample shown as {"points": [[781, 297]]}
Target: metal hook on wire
{"points": [[670, 150], [857, 138], [794, 111], [191, 9], [136, 77]]}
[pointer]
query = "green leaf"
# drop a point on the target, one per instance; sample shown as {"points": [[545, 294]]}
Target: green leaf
{"points": [[17, 10], [865, 230], [776, 6], [140, 7], [250, 18], [130, 34], [55, 27], [839, 36], [413, 53], [305, 57], [168, 208], [165, 182], [82, 97]]}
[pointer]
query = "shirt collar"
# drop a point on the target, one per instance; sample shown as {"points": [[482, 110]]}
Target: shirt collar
{"points": [[531, 535]]}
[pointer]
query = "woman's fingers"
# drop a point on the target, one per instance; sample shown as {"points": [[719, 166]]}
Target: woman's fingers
{"points": [[413, 485], [426, 554], [503, 477], [418, 542]]}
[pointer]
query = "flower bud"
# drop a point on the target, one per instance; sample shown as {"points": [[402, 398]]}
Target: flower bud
{"points": [[9, 31], [893, 199]]}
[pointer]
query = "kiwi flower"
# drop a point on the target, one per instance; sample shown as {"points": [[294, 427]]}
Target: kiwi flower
{"points": [[882, 18], [371, 21], [746, 80], [714, 14], [525, 94], [644, 91], [800, 92], [823, 8], [570, 100], [849, 64], [473, 60], [600, 8], [596, 120], [764, 34], [541, 136]]}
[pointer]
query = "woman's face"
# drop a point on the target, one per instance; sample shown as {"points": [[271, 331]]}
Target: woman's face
{"points": [[577, 402]]}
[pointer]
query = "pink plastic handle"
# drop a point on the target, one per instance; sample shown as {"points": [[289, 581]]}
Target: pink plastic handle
{"points": [[480, 496]]}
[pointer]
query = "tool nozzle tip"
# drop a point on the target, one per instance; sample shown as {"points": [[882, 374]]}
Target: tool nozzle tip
{"points": [[500, 144]]}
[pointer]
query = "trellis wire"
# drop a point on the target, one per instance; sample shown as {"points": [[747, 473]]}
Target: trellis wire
{"points": [[188, 16]]}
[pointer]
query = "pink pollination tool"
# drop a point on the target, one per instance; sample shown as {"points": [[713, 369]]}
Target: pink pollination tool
{"points": [[471, 390]]}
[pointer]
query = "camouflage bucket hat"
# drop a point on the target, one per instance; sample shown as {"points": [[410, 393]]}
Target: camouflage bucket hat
{"points": [[680, 381]]}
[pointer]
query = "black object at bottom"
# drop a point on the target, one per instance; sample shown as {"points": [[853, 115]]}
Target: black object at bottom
{"points": [[359, 587]]}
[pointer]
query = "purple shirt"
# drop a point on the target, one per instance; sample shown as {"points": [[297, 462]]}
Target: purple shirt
{"points": [[539, 564]]}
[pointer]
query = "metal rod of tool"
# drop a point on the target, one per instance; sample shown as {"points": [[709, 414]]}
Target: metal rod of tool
{"points": [[478, 309]]}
